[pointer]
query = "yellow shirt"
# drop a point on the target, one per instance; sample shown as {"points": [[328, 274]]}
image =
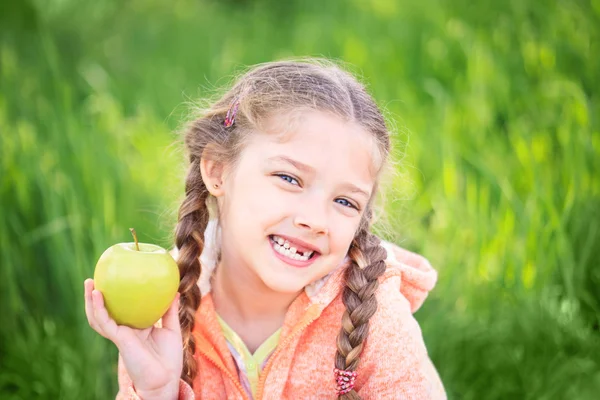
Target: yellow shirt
{"points": [[249, 365]]}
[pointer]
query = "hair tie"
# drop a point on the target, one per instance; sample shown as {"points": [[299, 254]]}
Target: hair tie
{"points": [[345, 381], [230, 118]]}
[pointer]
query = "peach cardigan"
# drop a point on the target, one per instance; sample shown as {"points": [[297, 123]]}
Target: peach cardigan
{"points": [[394, 363]]}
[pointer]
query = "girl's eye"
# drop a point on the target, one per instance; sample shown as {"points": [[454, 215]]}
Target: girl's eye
{"points": [[346, 203], [288, 178]]}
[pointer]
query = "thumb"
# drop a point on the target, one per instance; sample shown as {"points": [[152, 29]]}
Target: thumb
{"points": [[171, 318]]}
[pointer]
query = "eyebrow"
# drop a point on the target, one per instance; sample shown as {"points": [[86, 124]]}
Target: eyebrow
{"points": [[308, 169], [300, 166]]}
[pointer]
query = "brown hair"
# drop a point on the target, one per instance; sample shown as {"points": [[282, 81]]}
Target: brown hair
{"points": [[281, 87]]}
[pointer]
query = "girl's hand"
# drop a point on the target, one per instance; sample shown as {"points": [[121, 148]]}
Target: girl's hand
{"points": [[153, 357]]}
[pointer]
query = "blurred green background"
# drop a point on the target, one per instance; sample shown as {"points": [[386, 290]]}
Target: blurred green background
{"points": [[495, 105]]}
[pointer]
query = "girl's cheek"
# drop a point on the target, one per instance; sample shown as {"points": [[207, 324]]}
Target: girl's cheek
{"points": [[267, 207]]}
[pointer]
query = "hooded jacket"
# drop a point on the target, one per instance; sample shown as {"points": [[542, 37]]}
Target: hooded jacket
{"points": [[394, 363]]}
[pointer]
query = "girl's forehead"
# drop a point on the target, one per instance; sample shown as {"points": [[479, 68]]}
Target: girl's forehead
{"points": [[320, 140]]}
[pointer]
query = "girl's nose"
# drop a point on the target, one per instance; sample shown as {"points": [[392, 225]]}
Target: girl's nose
{"points": [[316, 223]]}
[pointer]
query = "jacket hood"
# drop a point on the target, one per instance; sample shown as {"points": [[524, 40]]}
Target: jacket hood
{"points": [[418, 277]]}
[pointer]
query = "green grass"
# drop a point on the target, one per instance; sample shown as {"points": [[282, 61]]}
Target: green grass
{"points": [[496, 109]]}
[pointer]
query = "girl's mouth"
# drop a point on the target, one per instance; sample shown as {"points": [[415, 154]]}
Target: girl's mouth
{"points": [[286, 251]]}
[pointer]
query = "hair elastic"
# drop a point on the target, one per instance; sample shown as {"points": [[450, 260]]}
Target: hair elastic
{"points": [[345, 380], [230, 118]]}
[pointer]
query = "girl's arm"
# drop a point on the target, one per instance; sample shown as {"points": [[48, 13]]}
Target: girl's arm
{"points": [[127, 391]]}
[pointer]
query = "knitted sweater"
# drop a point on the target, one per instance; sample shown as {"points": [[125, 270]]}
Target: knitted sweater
{"points": [[394, 363]]}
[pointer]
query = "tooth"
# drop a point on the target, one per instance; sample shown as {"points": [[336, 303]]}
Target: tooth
{"points": [[290, 252]]}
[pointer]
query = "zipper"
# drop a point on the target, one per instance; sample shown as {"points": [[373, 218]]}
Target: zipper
{"points": [[288, 339], [235, 380]]}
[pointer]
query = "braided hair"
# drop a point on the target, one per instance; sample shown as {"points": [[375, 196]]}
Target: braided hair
{"points": [[361, 276], [193, 218]]}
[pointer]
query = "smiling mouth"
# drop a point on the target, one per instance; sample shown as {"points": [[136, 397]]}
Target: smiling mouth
{"points": [[288, 250]]}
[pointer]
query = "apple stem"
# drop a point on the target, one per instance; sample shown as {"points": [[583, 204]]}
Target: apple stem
{"points": [[137, 246]]}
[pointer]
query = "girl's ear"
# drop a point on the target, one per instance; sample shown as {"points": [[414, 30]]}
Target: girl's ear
{"points": [[212, 175]]}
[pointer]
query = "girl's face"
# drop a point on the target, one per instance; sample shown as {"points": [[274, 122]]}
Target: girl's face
{"points": [[289, 197]]}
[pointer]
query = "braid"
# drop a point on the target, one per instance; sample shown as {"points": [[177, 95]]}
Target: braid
{"points": [[368, 264], [189, 238]]}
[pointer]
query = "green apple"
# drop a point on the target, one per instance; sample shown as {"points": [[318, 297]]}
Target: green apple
{"points": [[138, 282]]}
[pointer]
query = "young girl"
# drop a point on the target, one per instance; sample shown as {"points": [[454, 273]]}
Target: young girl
{"points": [[285, 293]]}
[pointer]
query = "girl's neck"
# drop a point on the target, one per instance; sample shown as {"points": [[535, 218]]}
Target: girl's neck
{"points": [[244, 301]]}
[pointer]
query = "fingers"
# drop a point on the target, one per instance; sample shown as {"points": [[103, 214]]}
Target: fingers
{"points": [[171, 318], [107, 325], [96, 313], [88, 286]]}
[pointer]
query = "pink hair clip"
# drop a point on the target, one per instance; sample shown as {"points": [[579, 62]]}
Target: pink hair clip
{"points": [[230, 118], [345, 381]]}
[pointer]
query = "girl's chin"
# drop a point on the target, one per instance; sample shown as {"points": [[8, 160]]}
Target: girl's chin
{"points": [[284, 285]]}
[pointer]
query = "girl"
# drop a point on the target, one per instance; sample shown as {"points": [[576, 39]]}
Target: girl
{"points": [[285, 293]]}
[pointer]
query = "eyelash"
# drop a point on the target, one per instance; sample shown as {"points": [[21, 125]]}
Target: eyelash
{"points": [[283, 176]]}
